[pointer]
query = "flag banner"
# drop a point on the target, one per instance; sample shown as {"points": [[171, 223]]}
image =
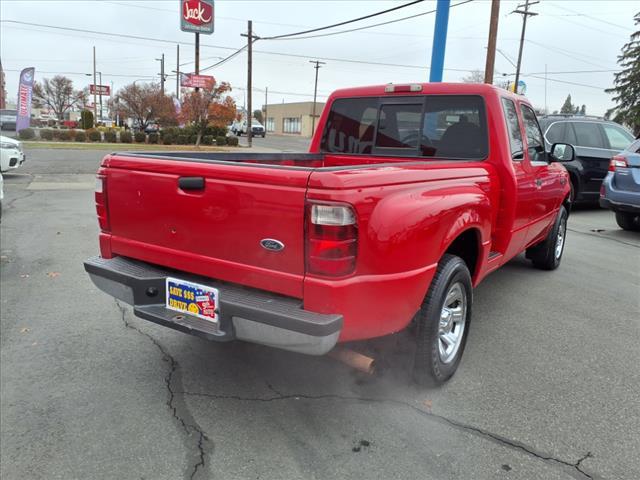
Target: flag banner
{"points": [[25, 92]]}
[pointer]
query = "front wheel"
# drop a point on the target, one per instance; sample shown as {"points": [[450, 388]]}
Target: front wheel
{"points": [[548, 254], [443, 323], [628, 221]]}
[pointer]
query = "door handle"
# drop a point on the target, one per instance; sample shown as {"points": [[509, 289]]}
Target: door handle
{"points": [[191, 183], [538, 182]]}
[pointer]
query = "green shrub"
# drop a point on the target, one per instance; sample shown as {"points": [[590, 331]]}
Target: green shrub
{"points": [[220, 141], [126, 137], [232, 141], [140, 137], [81, 136], [86, 119], [72, 134], [94, 135], [153, 138], [182, 140], [56, 133], [167, 139], [27, 134], [46, 134], [207, 140], [110, 136]]}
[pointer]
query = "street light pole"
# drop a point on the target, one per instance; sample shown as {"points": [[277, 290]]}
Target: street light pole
{"points": [[315, 93], [95, 113]]}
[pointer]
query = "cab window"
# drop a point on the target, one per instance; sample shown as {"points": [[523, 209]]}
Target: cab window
{"points": [[535, 143], [513, 125]]}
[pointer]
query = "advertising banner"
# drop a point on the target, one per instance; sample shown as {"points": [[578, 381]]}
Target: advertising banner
{"points": [[196, 16], [196, 81], [103, 90], [25, 92]]}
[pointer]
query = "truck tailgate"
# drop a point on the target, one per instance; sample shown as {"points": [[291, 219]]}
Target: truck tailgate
{"points": [[215, 230]]}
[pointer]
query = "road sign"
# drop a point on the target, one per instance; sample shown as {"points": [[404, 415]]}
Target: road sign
{"points": [[196, 16], [103, 90], [196, 81]]}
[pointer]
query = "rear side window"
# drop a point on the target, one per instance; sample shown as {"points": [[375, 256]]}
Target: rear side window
{"points": [[587, 134], [634, 147], [555, 134], [443, 126], [513, 125], [619, 138]]}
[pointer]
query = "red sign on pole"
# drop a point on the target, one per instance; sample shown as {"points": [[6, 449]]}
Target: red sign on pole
{"points": [[197, 81], [103, 90], [196, 16]]}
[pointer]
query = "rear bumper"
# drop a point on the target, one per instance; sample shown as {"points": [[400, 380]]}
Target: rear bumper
{"points": [[618, 200], [245, 314]]}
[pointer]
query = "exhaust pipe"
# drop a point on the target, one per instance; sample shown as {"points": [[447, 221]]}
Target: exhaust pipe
{"points": [[354, 359]]}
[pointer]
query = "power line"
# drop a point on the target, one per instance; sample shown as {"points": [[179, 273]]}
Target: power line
{"points": [[580, 14], [150, 77], [346, 22], [367, 26]]}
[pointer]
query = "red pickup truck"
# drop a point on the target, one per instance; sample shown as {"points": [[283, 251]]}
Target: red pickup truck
{"points": [[410, 195]]}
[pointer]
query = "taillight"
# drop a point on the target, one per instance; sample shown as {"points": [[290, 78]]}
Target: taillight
{"points": [[412, 87], [332, 239], [101, 202], [617, 161]]}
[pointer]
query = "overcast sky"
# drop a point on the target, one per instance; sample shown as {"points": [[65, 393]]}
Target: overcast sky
{"points": [[579, 37]]}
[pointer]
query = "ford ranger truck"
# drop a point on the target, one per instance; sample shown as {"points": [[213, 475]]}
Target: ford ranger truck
{"points": [[409, 196]]}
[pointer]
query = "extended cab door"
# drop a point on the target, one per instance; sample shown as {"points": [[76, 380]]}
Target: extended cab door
{"points": [[547, 178], [524, 178]]}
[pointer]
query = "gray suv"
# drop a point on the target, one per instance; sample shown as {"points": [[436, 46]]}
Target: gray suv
{"points": [[595, 141]]}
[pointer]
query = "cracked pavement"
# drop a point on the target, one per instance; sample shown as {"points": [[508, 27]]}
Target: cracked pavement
{"points": [[548, 386]]}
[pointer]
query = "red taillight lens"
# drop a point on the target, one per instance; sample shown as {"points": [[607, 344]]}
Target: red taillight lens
{"points": [[332, 240], [101, 203], [616, 162]]}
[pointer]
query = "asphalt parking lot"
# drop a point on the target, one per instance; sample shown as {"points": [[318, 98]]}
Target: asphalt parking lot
{"points": [[548, 387]]}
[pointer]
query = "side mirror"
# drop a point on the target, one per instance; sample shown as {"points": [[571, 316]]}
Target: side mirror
{"points": [[562, 152]]}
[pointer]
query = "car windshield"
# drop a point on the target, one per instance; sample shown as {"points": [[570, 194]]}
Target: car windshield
{"points": [[443, 126]]}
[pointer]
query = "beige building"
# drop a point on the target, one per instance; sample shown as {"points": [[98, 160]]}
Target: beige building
{"points": [[292, 118]]}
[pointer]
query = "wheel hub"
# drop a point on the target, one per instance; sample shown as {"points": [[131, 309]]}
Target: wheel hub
{"points": [[453, 319]]}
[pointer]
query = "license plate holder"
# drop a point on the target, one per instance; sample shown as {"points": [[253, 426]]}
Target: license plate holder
{"points": [[191, 298]]}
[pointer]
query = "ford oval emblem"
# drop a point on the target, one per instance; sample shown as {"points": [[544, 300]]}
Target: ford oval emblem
{"points": [[272, 244]]}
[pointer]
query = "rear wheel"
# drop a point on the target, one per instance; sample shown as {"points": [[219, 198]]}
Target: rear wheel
{"points": [[443, 323], [548, 254], [628, 221]]}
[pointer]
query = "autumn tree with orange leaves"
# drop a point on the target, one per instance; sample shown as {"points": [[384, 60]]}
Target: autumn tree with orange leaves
{"points": [[208, 107]]}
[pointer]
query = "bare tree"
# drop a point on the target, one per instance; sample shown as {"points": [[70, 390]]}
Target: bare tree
{"points": [[144, 103], [208, 106], [58, 94], [476, 76]]}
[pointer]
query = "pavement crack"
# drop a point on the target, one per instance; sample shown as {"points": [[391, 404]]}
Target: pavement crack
{"points": [[572, 468], [22, 197], [604, 237], [196, 458]]}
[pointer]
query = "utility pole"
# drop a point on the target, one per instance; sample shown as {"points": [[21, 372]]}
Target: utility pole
{"points": [[161, 60], [250, 37], [525, 14], [100, 73], [197, 56], [95, 106], [178, 71], [491, 47], [315, 93], [266, 93]]}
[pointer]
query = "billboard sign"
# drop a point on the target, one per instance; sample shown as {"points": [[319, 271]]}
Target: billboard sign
{"points": [[103, 90], [196, 81], [196, 16], [25, 93]]}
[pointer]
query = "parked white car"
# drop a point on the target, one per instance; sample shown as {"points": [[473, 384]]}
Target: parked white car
{"points": [[1, 194], [11, 154]]}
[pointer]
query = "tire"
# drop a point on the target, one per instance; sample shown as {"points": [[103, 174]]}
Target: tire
{"points": [[547, 255], [628, 221], [263, 135], [450, 296]]}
